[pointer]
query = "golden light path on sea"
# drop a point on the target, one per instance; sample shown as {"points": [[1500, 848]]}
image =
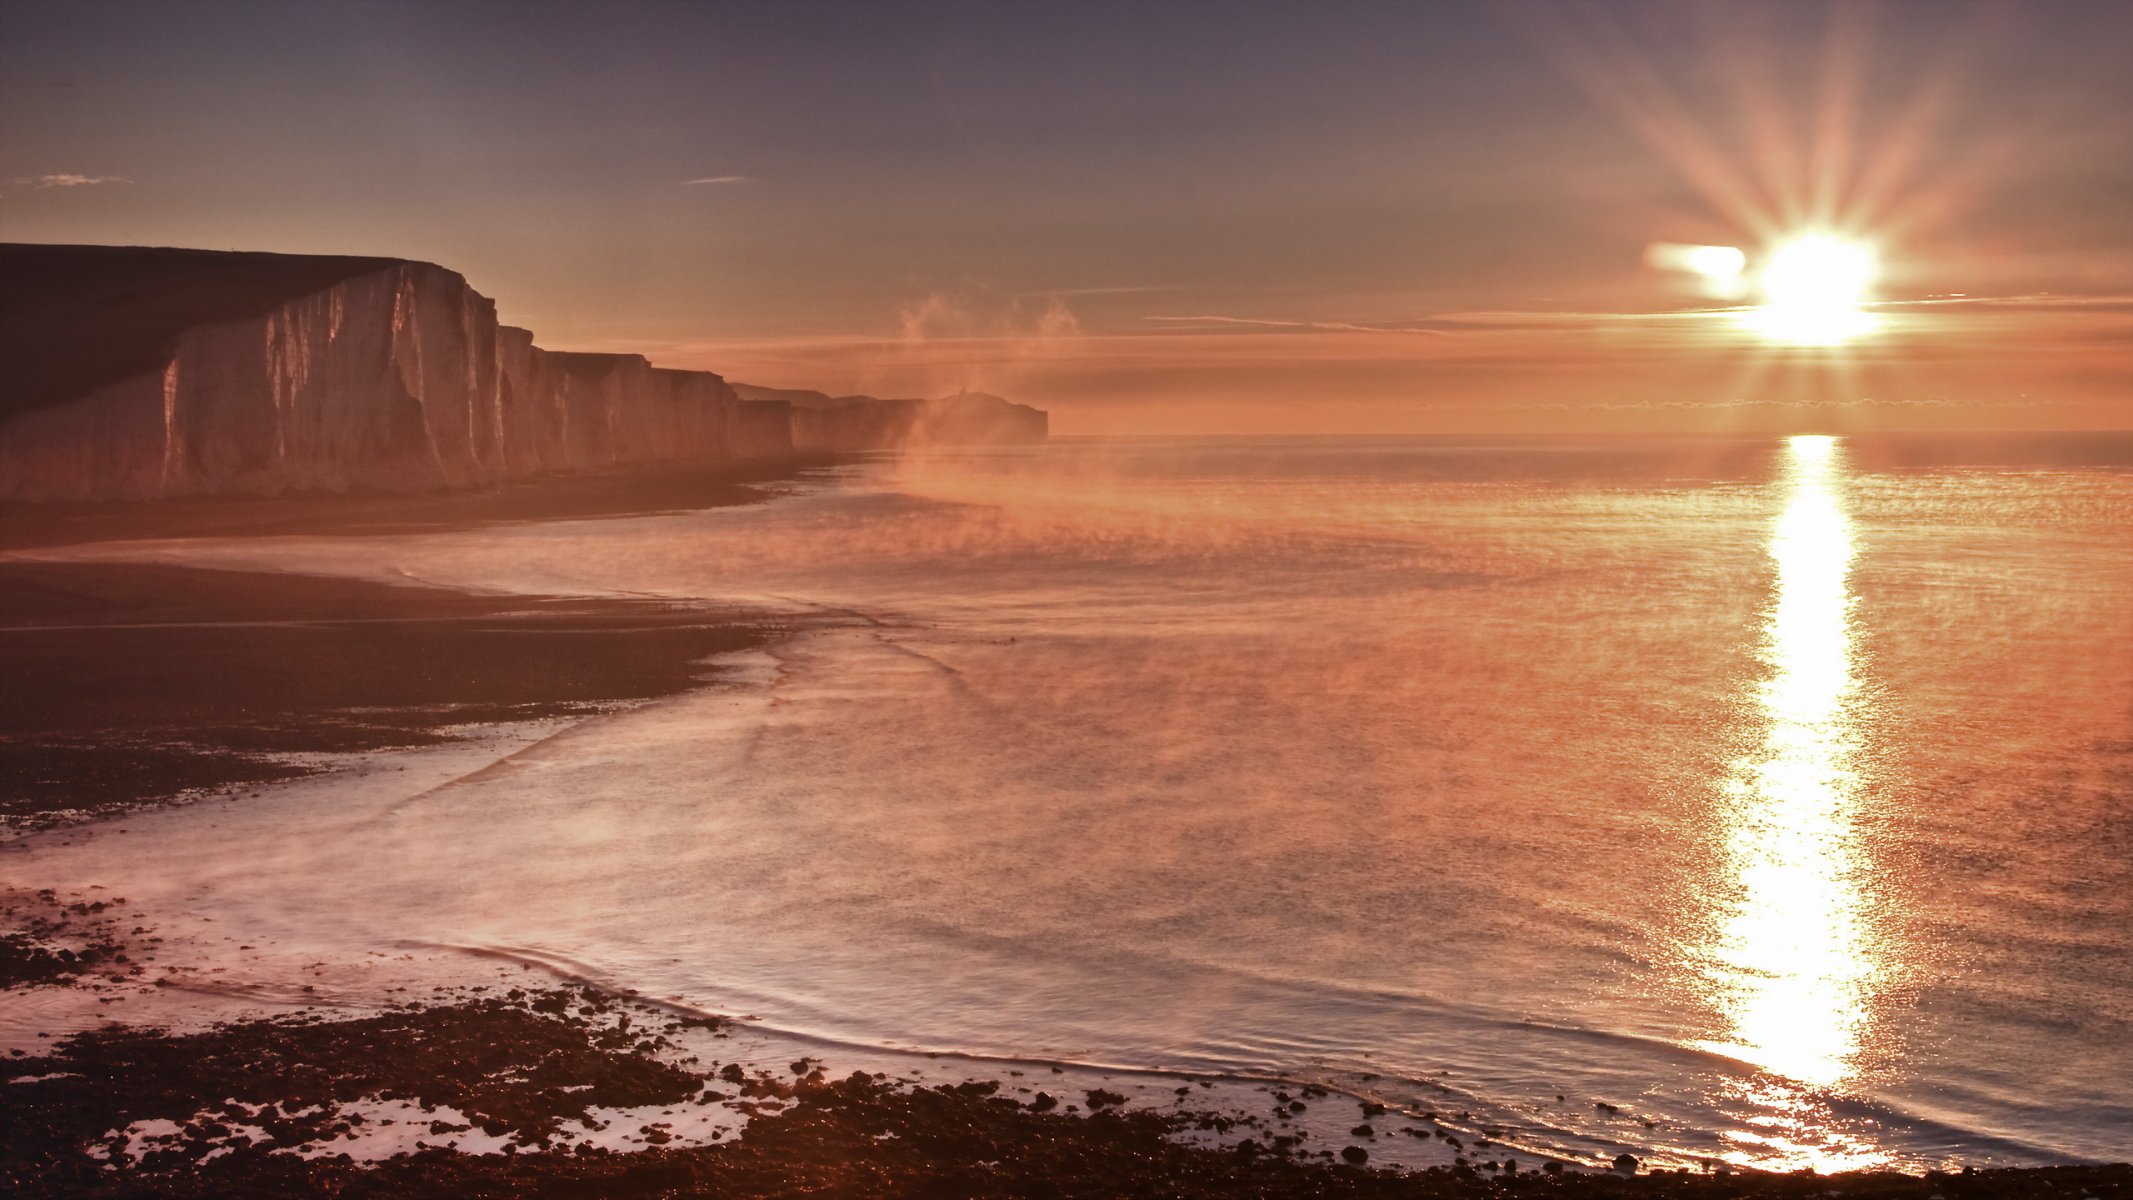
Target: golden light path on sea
{"points": [[1793, 962]]}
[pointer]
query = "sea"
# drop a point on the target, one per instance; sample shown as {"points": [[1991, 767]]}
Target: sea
{"points": [[1759, 800]]}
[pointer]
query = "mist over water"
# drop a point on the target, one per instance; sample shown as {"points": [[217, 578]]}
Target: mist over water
{"points": [[1778, 793]]}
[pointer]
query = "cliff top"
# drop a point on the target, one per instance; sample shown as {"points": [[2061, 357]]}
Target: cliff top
{"points": [[797, 397], [76, 318], [808, 398], [594, 367]]}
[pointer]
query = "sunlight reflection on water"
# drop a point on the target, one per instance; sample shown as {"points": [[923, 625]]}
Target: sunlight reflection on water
{"points": [[1793, 966]]}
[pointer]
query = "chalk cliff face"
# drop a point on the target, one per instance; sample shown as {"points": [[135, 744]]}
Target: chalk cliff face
{"points": [[131, 373], [393, 375]]}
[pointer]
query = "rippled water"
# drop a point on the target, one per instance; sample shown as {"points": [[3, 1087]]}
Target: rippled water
{"points": [[1777, 793]]}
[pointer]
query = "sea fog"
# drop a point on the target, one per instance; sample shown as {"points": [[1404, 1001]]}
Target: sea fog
{"points": [[1762, 800]]}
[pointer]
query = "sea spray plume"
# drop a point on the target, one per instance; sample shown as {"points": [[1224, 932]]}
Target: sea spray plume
{"points": [[953, 342], [1101, 508], [1248, 505]]}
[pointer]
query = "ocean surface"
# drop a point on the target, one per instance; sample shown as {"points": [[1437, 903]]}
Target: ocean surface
{"points": [[1764, 800]]}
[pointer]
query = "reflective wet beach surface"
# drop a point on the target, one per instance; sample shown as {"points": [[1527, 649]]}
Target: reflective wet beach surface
{"points": [[1755, 800]]}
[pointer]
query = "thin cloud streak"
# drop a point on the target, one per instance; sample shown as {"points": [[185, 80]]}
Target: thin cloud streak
{"points": [[1324, 326], [39, 183], [717, 179], [1045, 293], [2042, 302]]}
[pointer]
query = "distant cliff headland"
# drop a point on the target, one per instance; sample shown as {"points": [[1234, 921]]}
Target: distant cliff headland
{"points": [[131, 373]]}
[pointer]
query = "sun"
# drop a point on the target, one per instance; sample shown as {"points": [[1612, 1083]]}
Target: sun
{"points": [[1815, 288]]}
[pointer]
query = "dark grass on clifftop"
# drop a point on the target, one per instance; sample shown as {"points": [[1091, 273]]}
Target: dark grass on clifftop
{"points": [[527, 1065], [81, 317]]}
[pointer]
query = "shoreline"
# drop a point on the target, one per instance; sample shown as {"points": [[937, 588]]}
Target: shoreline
{"points": [[979, 1141], [346, 666], [588, 495]]}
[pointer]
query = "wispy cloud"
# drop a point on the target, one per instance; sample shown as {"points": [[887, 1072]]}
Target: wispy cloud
{"points": [[38, 183], [2032, 302], [1321, 326], [1101, 291], [717, 179]]}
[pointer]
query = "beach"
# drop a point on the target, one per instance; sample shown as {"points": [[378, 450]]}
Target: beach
{"points": [[141, 682], [445, 713], [147, 681]]}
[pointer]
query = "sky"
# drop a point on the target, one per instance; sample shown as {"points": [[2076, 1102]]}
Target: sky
{"points": [[1160, 218]]}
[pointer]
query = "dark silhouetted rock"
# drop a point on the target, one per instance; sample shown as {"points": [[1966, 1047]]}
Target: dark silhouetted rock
{"points": [[1099, 1098]]}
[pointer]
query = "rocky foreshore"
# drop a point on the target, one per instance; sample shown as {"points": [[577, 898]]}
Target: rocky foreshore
{"points": [[569, 1092]]}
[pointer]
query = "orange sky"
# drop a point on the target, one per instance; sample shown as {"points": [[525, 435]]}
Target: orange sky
{"points": [[1247, 217], [2035, 365]]}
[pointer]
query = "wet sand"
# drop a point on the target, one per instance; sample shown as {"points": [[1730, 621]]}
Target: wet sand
{"points": [[124, 684]]}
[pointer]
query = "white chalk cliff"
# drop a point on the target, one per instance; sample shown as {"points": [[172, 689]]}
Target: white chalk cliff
{"points": [[131, 373]]}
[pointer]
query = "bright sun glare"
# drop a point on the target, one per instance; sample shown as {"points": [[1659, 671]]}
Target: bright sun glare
{"points": [[1815, 288]]}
